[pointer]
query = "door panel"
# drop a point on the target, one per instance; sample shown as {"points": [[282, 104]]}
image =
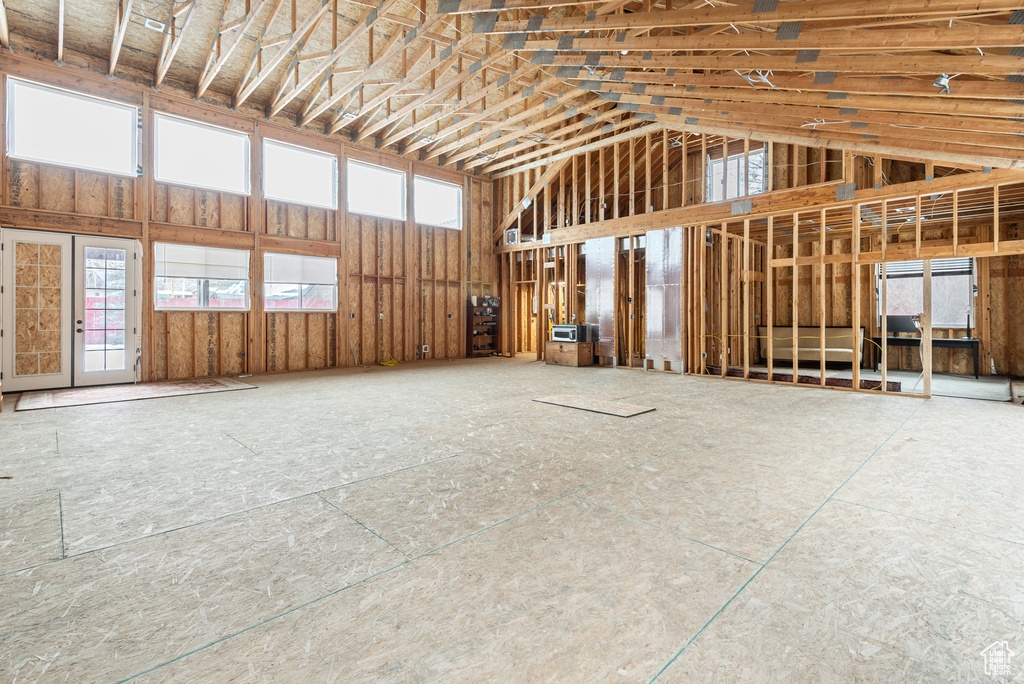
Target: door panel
{"points": [[104, 311], [36, 277]]}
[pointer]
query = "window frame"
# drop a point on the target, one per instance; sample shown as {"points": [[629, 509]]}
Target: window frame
{"points": [[719, 159], [11, 124], [335, 182], [348, 195], [415, 194], [157, 115], [300, 308], [203, 292], [905, 274]]}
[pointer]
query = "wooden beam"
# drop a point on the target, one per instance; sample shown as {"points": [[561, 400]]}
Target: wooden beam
{"points": [[642, 130], [780, 202], [60, 29], [300, 35], [172, 41], [122, 17], [904, 64], [280, 98], [532, 193], [218, 55], [704, 15], [875, 40]]}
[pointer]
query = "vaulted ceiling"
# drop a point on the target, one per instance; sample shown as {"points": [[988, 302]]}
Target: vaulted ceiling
{"points": [[486, 86]]}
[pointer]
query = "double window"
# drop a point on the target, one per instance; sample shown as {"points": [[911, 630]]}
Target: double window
{"points": [[299, 283], [379, 191], [193, 277], [952, 290], [197, 278], [735, 176], [59, 127]]}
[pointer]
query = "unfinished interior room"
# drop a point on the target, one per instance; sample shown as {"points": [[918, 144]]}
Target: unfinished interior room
{"points": [[511, 341]]}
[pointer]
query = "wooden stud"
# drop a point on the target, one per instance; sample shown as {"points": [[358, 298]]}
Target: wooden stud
{"points": [[746, 269], [795, 299], [926, 328], [769, 284], [855, 295]]}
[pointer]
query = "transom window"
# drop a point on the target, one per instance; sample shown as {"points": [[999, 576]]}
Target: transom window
{"points": [[376, 191], [299, 175], [200, 155], [293, 282], [437, 203], [193, 277], [56, 126]]}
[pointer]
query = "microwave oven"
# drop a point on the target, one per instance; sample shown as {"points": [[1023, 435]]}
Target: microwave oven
{"points": [[569, 333]]}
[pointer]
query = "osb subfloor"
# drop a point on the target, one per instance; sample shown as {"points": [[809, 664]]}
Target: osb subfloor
{"points": [[435, 524]]}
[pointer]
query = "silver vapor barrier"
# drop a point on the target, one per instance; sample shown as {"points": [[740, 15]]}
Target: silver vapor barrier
{"points": [[600, 292], [665, 295]]}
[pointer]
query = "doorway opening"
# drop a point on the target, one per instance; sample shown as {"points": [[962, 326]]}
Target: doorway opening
{"points": [[69, 311]]}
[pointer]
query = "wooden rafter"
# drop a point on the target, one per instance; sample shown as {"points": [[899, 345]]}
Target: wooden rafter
{"points": [[726, 15], [122, 16], [452, 150], [219, 53], [60, 29], [908, 64], [281, 97], [174, 34], [389, 53], [298, 37], [436, 93]]}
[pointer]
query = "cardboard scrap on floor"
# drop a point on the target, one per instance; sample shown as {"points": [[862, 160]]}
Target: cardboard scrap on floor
{"points": [[611, 408]]}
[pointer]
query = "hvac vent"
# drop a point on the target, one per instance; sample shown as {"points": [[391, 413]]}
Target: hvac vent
{"points": [[512, 236]]}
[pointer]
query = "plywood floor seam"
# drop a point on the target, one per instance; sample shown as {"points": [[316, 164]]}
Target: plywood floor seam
{"points": [[764, 565], [414, 524]]}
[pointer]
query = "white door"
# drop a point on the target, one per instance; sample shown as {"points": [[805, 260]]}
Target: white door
{"points": [[36, 322], [105, 311]]}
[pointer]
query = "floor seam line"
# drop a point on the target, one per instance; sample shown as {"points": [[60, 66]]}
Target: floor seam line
{"points": [[232, 437], [732, 598], [256, 625], [338, 591], [60, 511], [226, 515], [672, 532], [928, 522], [361, 524]]}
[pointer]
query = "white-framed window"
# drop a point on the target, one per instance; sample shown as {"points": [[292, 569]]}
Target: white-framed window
{"points": [[953, 290], [437, 203], [376, 191], [299, 175], [199, 155], [56, 126], [735, 171], [293, 282], [197, 278]]}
